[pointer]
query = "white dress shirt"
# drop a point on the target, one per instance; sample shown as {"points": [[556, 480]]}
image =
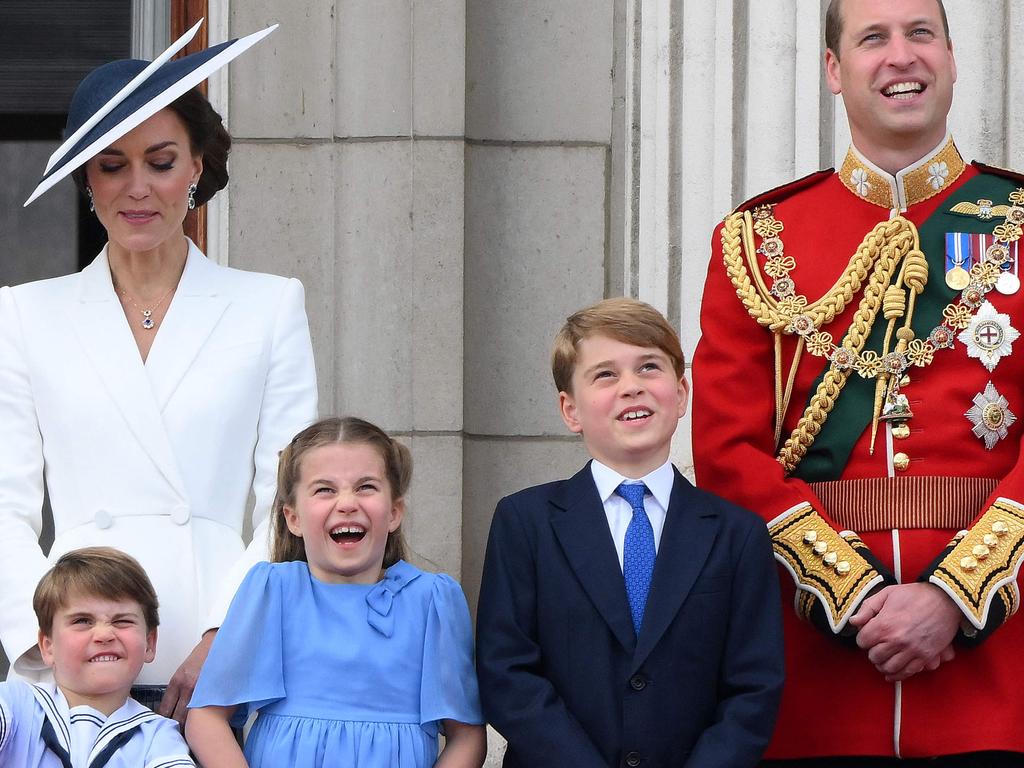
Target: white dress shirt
{"points": [[617, 509]]}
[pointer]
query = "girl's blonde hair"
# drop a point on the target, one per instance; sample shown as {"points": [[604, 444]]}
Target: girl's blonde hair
{"points": [[348, 429]]}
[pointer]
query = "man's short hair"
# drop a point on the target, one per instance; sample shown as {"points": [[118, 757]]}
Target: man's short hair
{"points": [[626, 320], [834, 24], [102, 572]]}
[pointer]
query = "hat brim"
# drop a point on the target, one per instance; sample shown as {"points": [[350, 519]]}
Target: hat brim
{"points": [[140, 99]]}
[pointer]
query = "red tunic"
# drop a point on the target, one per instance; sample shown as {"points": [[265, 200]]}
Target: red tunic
{"points": [[834, 701]]}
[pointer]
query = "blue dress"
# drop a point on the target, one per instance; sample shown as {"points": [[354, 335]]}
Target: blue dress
{"points": [[343, 674]]}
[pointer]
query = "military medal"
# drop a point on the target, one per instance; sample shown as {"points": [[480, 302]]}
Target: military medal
{"points": [[990, 416], [989, 336], [958, 278], [958, 253], [1008, 282]]}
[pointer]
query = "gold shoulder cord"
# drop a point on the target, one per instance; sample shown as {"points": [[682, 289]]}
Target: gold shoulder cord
{"points": [[876, 260]]}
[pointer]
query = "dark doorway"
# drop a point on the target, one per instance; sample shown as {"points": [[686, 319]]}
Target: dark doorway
{"points": [[46, 47]]}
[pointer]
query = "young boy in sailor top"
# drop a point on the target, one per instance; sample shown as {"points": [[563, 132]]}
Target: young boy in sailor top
{"points": [[98, 620]]}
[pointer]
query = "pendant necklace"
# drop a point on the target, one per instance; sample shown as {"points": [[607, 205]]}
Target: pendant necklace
{"points": [[147, 314]]}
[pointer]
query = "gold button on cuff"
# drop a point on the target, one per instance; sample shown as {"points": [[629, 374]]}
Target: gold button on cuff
{"points": [[990, 539], [969, 563], [900, 461], [810, 537], [980, 551], [820, 548], [842, 567], [830, 558], [999, 528]]}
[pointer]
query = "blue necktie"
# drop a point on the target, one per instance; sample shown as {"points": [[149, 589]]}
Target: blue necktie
{"points": [[638, 552]]}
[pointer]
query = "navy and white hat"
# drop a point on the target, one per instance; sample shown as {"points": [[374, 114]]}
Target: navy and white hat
{"points": [[116, 97]]}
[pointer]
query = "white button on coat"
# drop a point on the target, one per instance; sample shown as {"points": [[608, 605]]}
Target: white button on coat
{"points": [[180, 515]]}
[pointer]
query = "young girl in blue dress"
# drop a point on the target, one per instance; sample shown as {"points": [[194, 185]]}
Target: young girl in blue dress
{"points": [[352, 656]]}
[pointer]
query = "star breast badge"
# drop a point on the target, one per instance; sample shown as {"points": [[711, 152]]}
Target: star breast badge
{"points": [[991, 416], [989, 337]]}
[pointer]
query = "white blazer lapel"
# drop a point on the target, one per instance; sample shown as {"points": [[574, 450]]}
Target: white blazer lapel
{"points": [[99, 323], [191, 318]]}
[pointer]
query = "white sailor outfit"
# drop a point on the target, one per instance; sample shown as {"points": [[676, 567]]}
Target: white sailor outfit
{"points": [[39, 730]]}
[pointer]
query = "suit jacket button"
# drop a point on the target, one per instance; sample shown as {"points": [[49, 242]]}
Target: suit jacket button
{"points": [[180, 515], [103, 519], [633, 759], [637, 683]]}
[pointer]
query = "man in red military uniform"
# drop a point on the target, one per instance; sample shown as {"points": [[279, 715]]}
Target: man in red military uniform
{"points": [[857, 385]]}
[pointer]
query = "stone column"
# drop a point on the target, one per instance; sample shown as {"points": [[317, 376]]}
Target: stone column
{"points": [[348, 173], [538, 174]]}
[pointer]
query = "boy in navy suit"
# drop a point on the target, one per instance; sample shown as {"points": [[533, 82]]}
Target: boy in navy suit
{"points": [[625, 617]]}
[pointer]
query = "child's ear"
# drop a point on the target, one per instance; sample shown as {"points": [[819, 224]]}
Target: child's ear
{"points": [[151, 645], [397, 513], [567, 407], [46, 648], [291, 519], [684, 396]]}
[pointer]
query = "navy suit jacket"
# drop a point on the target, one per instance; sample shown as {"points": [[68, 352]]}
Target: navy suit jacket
{"points": [[563, 675]]}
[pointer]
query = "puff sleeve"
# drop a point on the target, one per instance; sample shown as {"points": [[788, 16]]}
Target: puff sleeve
{"points": [[245, 667], [449, 688]]}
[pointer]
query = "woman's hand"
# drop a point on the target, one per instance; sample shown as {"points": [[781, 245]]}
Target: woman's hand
{"points": [[465, 746], [174, 704]]}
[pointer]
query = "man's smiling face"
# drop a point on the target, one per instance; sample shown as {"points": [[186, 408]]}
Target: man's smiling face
{"points": [[895, 70]]}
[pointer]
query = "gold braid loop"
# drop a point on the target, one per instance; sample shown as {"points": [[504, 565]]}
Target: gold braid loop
{"points": [[915, 271], [753, 300], [757, 299], [894, 305], [886, 245]]}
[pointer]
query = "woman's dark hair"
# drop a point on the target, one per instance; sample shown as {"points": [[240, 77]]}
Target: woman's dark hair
{"points": [[207, 136]]}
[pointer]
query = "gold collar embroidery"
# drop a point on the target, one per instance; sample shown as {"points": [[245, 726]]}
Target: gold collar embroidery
{"points": [[914, 184]]}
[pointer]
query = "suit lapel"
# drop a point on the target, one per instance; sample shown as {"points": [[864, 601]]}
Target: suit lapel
{"points": [[690, 530], [581, 528], [191, 318], [103, 335]]}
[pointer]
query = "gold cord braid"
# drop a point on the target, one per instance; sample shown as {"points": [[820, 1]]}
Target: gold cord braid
{"points": [[765, 308], [885, 245]]}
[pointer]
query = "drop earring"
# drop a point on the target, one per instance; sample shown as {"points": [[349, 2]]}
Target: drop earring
{"points": [[92, 203], [192, 195]]}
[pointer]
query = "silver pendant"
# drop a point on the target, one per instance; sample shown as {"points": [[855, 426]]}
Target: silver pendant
{"points": [[1008, 283]]}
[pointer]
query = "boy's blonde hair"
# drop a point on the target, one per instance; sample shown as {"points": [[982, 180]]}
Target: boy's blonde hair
{"points": [[102, 572], [623, 319], [397, 469]]}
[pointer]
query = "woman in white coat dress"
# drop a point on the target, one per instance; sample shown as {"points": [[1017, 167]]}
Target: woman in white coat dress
{"points": [[155, 388]]}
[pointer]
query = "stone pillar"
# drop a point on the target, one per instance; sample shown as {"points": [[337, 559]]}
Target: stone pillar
{"points": [[348, 173], [538, 173]]}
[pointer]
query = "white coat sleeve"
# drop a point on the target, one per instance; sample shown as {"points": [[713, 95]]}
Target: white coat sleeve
{"points": [[22, 562], [289, 405]]}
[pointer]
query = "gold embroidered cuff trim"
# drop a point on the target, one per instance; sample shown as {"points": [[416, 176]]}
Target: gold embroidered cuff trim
{"points": [[884, 503], [823, 563], [984, 561], [925, 179]]}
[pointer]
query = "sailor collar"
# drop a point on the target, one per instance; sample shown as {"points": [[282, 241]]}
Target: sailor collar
{"points": [[914, 184], [111, 735]]}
